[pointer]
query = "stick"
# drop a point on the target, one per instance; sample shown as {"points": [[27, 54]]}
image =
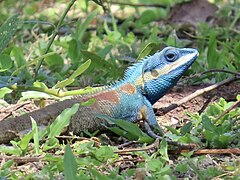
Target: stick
{"points": [[199, 92], [214, 151], [169, 141]]}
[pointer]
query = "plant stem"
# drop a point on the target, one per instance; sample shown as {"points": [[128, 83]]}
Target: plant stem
{"points": [[55, 92], [54, 35]]}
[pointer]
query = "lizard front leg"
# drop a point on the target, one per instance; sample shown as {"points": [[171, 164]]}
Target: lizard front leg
{"points": [[146, 113]]}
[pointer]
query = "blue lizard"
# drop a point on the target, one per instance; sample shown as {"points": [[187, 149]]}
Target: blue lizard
{"points": [[130, 99]]}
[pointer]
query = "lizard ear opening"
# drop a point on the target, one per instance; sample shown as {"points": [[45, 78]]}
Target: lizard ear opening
{"points": [[154, 73]]}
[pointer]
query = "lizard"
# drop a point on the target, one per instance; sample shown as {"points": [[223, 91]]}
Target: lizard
{"points": [[130, 98]]}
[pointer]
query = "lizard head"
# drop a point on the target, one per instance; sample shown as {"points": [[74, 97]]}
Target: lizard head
{"points": [[162, 70]]}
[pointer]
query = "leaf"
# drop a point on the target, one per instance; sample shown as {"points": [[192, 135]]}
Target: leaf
{"points": [[35, 136], [88, 102], [164, 150], [104, 51], [10, 150], [76, 73], [23, 143], [212, 55], [62, 121], [104, 153], [55, 62], [5, 62], [96, 60], [147, 16], [155, 165], [21, 62], [51, 144], [131, 130], [186, 128], [34, 95], [147, 50], [41, 85], [74, 52], [121, 132], [207, 124], [7, 31], [181, 167], [98, 176], [4, 91], [70, 164], [81, 27]]}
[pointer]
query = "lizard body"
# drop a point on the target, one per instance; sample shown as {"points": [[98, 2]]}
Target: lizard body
{"points": [[130, 99]]}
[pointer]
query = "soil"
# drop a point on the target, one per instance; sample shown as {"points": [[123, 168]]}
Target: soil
{"points": [[196, 105]]}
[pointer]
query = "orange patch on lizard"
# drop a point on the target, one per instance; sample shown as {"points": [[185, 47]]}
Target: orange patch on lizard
{"points": [[111, 96], [128, 88]]}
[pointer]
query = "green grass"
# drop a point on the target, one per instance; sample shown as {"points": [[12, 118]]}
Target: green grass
{"points": [[95, 50]]}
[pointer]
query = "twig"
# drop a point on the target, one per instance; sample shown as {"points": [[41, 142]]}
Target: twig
{"points": [[54, 35], [199, 92], [136, 5], [169, 141], [126, 144], [151, 146], [213, 151], [221, 70], [21, 160], [234, 105]]}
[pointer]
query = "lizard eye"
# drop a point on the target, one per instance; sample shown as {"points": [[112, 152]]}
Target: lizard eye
{"points": [[171, 56]]}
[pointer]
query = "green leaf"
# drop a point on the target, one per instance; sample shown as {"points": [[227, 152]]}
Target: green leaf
{"points": [[62, 121], [20, 62], [40, 84], [80, 69], [88, 102], [10, 150], [97, 175], [55, 62], [147, 16], [131, 130], [147, 50], [104, 153], [172, 130], [35, 136], [207, 124], [7, 164], [74, 52], [81, 27], [23, 143], [5, 62], [238, 97], [4, 91], [97, 61], [212, 54], [104, 51], [129, 127], [164, 150], [51, 144], [7, 31], [155, 165], [76, 73], [70, 164], [186, 128], [121, 132], [34, 95], [182, 168]]}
